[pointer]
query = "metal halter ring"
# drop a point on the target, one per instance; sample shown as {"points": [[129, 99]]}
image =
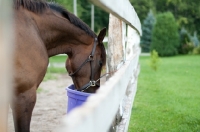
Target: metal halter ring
{"points": [[91, 57], [92, 83]]}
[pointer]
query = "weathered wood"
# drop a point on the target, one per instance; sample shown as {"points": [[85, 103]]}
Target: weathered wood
{"points": [[128, 101], [133, 41], [98, 112], [115, 48], [132, 48], [116, 54], [6, 41], [123, 10]]}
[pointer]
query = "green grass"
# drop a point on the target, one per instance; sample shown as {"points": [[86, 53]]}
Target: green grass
{"points": [[58, 59], [52, 70], [168, 100]]}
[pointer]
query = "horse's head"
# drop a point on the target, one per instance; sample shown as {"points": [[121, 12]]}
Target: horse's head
{"points": [[85, 64]]}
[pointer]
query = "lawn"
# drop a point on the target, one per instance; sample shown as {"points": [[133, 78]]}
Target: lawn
{"points": [[168, 100], [52, 69]]}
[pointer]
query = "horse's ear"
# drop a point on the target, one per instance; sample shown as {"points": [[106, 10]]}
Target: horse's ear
{"points": [[102, 34]]}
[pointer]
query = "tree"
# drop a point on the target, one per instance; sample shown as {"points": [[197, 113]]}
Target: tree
{"points": [[101, 17], [147, 28], [184, 41], [165, 37], [142, 7], [186, 12]]}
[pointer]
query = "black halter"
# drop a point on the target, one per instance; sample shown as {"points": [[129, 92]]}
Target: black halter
{"points": [[90, 59]]}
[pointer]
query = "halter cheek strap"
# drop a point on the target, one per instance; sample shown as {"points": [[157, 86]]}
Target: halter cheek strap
{"points": [[90, 59]]}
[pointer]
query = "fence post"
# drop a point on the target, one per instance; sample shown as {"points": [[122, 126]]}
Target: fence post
{"points": [[115, 47], [116, 53], [6, 41]]}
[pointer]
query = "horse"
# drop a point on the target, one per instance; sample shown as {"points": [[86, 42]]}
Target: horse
{"points": [[43, 30]]}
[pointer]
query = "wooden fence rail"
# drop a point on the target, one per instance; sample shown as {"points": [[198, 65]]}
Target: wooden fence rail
{"points": [[99, 111], [6, 41]]}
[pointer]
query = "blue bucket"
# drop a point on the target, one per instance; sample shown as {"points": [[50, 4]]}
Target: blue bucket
{"points": [[75, 98]]}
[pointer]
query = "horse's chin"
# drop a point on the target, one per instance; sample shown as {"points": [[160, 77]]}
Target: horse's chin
{"points": [[92, 89], [89, 90]]}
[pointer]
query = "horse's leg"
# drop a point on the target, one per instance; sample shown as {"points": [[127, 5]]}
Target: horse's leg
{"points": [[22, 107]]}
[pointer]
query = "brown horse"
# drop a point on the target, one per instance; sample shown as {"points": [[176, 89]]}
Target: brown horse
{"points": [[43, 30]]}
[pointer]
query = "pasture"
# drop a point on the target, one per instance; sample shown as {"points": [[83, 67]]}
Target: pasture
{"points": [[167, 100]]}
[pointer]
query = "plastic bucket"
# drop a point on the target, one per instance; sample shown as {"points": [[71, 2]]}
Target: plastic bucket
{"points": [[75, 98]]}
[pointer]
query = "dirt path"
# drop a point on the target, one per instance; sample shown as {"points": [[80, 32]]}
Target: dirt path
{"points": [[50, 107]]}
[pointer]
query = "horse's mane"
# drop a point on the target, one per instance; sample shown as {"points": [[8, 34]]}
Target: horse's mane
{"points": [[39, 6], [36, 6], [72, 18]]}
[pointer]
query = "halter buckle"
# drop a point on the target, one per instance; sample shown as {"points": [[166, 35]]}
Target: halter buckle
{"points": [[91, 57], [92, 83]]}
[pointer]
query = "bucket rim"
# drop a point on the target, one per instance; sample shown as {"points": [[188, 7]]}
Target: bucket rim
{"points": [[76, 92]]}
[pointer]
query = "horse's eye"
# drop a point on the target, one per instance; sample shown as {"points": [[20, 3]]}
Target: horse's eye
{"points": [[100, 63]]}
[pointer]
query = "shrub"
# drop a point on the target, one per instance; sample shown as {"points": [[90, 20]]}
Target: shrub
{"points": [[194, 39], [188, 42], [184, 40], [165, 37], [154, 60], [196, 50], [187, 48], [147, 28]]}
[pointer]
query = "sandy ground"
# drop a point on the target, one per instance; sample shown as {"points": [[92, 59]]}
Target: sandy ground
{"points": [[50, 107]]}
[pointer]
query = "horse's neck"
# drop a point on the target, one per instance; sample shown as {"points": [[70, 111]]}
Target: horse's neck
{"points": [[59, 35]]}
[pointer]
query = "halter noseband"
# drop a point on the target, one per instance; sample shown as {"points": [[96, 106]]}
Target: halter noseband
{"points": [[92, 82]]}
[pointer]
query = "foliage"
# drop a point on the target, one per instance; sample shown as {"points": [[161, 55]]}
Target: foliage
{"points": [[188, 42], [147, 28], [168, 100], [186, 12], [196, 50], [185, 43], [187, 48], [189, 10], [101, 17], [142, 7], [52, 70], [194, 39], [165, 37], [184, 36], [154, 60]]}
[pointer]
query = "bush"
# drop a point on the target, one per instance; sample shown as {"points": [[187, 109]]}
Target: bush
{"points": [[194, 39], [165, 37], [188, 43], [196, 50], [184, 39], [187, 48], [154, 60]]}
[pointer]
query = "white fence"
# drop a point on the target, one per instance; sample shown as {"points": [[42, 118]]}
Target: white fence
{"points": [[6, 41], [99, 111]]}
